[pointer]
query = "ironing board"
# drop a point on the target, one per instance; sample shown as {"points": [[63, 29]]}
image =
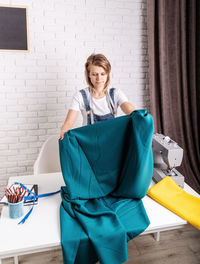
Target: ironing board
{"points": [[35, 236]]}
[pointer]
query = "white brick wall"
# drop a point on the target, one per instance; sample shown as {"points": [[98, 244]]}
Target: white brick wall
{"points": [[36, 87]]}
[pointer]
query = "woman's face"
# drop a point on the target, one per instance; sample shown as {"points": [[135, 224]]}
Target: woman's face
{"points": [[98, 77]]}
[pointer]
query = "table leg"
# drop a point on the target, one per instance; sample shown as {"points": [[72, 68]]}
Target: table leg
{"points": [[0, 261], [15, 260], [157, 236]]}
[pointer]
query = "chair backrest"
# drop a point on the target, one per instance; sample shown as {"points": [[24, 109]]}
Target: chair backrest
{"points": [[48, 159]]}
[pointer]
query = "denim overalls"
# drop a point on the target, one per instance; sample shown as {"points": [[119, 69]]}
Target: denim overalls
{"points": [[91, 116]]}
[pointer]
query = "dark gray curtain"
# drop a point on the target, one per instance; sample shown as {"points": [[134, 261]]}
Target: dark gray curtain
{"points": [[174, 61]]}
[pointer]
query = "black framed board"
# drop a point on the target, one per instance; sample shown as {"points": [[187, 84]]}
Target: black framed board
{"points": [[13, 28]]}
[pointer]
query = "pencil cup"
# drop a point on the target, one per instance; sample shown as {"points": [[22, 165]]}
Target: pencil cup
{"points": [[16, 210]]}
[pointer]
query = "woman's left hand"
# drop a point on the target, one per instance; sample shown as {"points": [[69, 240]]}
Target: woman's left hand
{"points": [[127, 108]]}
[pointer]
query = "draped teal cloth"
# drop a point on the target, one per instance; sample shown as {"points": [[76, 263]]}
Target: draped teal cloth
{"points": [[107, 168]]}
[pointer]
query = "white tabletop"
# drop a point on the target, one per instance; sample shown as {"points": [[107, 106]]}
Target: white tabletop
{"points": [[42, 229]]}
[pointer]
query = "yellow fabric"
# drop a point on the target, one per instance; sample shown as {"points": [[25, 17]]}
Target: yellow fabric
{"points": [[170, 195]]}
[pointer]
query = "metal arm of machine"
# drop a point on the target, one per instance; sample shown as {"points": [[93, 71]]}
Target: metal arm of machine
{"points": [[167, 155]]}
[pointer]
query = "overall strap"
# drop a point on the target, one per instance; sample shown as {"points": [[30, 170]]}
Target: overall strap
{"points": [[85, 100], [112, 94], [112, 101]]}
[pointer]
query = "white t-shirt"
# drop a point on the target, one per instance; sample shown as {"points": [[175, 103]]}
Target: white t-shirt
{"points": [[99, 106]]}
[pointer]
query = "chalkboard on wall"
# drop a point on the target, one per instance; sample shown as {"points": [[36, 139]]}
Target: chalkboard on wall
{"points": [[13, 28]]}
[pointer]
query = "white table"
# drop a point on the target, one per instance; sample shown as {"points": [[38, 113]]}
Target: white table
{"points": [[41, 232]]}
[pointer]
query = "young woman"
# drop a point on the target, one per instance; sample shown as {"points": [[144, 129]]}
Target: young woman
{"points": [[98, 102]]}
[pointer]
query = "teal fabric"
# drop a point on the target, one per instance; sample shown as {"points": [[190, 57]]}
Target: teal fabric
{"points": [[107, 168]]}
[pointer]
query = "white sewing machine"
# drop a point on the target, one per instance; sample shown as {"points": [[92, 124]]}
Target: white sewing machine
{"points": [[167, 155]]}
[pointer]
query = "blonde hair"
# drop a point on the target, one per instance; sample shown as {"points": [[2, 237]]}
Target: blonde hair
{"points": [[101, 61]]}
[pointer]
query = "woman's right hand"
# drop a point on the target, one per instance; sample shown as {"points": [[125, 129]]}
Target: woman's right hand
{"points": [[69, 122], [62, 133]]}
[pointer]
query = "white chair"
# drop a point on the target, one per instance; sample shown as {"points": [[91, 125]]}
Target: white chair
{"points": [[48, 159]]}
